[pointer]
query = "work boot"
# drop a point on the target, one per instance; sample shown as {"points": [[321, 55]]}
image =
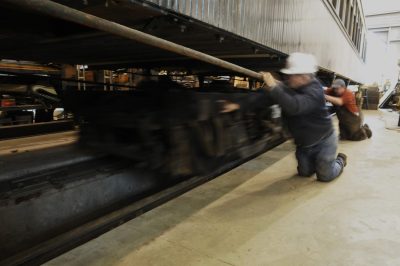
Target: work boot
{"points": [[367, 131], [342, 157]]}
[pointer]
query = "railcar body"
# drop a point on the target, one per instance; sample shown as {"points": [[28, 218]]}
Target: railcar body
{"points": [[333, 30]]}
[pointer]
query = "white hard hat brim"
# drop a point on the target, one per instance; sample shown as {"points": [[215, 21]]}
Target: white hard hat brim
{"points": [[289, 71]]}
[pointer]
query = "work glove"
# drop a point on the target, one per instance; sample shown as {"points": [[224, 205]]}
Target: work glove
{"points": [[269, 82]]}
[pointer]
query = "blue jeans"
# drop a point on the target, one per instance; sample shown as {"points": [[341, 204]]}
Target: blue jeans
{"points": [[321, 159]]}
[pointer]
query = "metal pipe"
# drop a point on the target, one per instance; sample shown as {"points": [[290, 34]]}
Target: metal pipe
{"points": [[53, 9]]}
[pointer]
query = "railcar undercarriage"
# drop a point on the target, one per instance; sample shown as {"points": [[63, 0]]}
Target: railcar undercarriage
{"points": [[171, 129]]}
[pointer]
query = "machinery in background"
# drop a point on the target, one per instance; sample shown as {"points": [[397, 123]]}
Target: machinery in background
{"points": [[24, 97], [29, 101], [26, 104], [368, 97], [391, 99]]}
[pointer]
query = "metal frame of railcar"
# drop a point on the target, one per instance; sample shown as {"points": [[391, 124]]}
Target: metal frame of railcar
{"points": [[287, 26]]}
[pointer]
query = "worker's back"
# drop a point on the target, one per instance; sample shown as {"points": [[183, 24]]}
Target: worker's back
{"points": [[313, 123]]}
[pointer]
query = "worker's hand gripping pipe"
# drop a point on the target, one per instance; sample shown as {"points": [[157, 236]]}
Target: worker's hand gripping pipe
{"points": [[53, 9]]}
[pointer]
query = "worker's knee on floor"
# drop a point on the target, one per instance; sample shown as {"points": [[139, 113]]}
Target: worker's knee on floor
{"points": [[325, 178], [303, 172], [327, 175], [326, 171]]}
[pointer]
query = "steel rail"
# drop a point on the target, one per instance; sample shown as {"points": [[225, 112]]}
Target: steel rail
{"points": [[53, 9]]}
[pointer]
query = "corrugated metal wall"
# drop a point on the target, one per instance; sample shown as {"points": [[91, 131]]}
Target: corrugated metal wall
{"points": [[284, 25]]}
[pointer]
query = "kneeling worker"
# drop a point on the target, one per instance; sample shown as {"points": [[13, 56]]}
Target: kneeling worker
{"points": [[303, 104], [349, 115]]}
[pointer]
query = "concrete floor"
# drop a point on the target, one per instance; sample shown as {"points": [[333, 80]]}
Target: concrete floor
{"points": [[262, 214]]}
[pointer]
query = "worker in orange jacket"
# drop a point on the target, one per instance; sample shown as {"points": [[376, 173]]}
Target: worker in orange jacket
{"points": [[349, 114]]}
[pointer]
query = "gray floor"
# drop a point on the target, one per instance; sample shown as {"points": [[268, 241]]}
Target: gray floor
{"points": [[261, 214]]}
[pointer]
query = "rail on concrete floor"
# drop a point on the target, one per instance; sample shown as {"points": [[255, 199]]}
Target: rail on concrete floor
{"points": [[16, 131]]}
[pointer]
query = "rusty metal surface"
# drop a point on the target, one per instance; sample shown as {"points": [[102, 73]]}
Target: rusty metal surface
{"points": [[284, 25]]}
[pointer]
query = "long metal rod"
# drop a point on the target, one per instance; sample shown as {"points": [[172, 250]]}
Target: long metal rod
{"points": [[64, 12]]}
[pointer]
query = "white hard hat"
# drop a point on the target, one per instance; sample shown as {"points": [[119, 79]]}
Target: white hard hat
{"points": [[299, 63]]}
